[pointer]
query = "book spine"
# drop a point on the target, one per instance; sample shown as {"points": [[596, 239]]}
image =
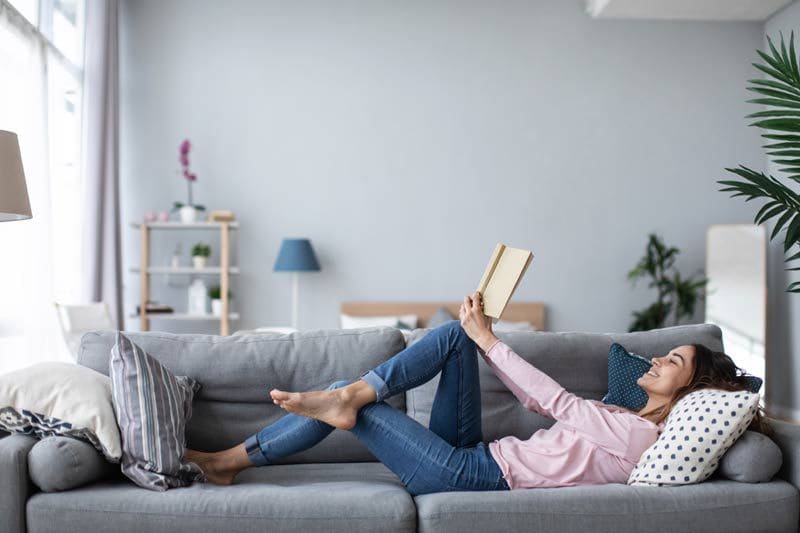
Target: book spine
{"points": [[489, 272]]}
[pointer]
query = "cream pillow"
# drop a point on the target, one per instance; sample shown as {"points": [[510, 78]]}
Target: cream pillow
{"points": [[61, 399], [506, 325], [352, 322], [698, 431]]}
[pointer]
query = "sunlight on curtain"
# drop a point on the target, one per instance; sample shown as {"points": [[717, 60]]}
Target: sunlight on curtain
{"points": [[40, 101]]}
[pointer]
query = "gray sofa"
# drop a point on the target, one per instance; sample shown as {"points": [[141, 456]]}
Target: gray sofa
{"points": [[339, 486]]}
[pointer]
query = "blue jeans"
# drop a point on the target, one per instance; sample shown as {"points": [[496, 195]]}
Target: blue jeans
{"points": [[450, 455]]}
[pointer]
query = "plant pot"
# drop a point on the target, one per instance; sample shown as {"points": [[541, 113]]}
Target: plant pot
{"points": [[216, 307], [199, 261], [188, 214]]}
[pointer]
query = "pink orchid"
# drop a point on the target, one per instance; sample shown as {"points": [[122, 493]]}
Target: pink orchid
{"points": [[183, 157]]}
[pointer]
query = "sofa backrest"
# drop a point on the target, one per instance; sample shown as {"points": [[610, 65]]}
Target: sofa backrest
{"points": [[237, 372], [578, 361]]}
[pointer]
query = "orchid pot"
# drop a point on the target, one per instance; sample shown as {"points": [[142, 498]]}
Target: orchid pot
{"points": [[188, 214]]}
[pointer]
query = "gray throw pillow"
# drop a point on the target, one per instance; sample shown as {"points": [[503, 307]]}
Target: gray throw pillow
{"points": [[441, 316], [753, 458], [64, 463], [152, 407]]}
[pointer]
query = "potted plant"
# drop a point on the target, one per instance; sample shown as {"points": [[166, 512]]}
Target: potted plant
{"points": [[215, 293], [188, 211], [675, 294], [200, 254]]}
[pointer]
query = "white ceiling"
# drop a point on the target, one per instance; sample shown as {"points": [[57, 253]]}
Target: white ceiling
{"points": [[685, 9]]}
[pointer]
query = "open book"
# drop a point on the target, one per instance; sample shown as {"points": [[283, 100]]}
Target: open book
{"points": [[503, 273]]}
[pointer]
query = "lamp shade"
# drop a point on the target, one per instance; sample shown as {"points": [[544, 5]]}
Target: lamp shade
{"points": [[296, 255], [14, 203]]}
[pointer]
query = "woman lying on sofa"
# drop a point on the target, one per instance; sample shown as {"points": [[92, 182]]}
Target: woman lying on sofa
{"points": [[590, 443]]}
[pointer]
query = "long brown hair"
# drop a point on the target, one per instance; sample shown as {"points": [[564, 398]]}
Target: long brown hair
{"points": [[712, 370]]}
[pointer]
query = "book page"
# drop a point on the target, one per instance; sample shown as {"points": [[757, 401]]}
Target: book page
{"points": [[504, 280]]}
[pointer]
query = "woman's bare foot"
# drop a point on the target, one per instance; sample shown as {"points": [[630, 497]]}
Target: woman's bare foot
{"points": [[212, 466], [334, 407]]}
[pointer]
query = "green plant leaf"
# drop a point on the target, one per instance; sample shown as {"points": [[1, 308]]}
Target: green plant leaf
{"points": [[780, 124], [781, 137], [777, 102], [786, 153], [793, 257], [775, 93], [792, 233], [781, 221], [793, 57], [774, 113], [775, 68], [775, 146], [785, 86], [763, 217]]}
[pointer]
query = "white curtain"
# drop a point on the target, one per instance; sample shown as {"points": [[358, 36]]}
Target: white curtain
{"points": [[39, 262], [102, 250]]}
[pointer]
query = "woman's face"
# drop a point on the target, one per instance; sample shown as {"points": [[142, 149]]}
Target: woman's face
{"points": [[669, 372]]}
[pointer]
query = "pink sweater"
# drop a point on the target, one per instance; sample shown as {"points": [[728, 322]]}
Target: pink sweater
{"points": [[590, 442]]}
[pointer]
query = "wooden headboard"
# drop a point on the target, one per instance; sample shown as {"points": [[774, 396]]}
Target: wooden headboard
{"points": [[533, 312]]}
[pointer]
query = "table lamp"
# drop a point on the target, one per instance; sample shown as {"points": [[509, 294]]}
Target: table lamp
{"points": [[14, 203], [296, 255]]}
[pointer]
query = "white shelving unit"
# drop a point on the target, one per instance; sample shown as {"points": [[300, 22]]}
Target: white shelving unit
{"points": [[224, 271]]}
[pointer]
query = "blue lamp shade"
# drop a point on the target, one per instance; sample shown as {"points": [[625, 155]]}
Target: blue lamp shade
{"points": [[296, 255]]}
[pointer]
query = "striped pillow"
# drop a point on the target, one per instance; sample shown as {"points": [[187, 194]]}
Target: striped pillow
{"points": [[152, 407]]}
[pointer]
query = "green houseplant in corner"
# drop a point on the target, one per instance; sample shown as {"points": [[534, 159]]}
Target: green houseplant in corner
{"points": [[675, 294], [779, 91]]}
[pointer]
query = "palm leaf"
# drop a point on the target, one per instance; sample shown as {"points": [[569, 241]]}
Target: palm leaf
{"points": [[779, 92]]}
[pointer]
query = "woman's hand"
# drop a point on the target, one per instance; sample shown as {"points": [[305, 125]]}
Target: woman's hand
{"points": [[477, 326]]}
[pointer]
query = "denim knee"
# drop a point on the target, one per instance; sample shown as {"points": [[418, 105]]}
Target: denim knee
{"points": [[454, 328]]}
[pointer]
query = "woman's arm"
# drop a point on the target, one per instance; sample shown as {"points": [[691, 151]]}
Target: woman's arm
{"points": [[537, 391], [540, 393]]}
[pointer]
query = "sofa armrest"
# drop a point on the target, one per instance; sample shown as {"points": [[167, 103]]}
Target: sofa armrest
{"points": [[787, 437], [17, 484]]}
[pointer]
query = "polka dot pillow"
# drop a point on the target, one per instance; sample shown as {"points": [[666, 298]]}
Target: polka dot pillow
{"points": [[698, 432]]}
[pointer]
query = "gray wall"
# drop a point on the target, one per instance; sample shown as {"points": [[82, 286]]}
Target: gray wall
{"points": [[407, 138], [783, 312]]}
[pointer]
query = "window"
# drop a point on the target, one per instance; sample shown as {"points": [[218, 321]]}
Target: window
{"points": [[41, 89]]}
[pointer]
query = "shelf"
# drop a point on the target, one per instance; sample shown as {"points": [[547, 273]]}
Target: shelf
{"points": [[184, 270], [180, 225], [185, 316]]}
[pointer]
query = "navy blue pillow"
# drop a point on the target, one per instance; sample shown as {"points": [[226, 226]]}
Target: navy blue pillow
{"points": [[625, 368]]}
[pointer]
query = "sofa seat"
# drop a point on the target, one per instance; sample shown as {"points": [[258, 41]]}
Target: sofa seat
{"points": [[714, 505], [312, 497]]}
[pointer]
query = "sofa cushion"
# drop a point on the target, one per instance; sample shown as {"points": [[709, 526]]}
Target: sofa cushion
{"points": [[753, 458], [441, 316], [64, 463], [713, 506], [237, 372], [659, 341], [305, 497]]}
